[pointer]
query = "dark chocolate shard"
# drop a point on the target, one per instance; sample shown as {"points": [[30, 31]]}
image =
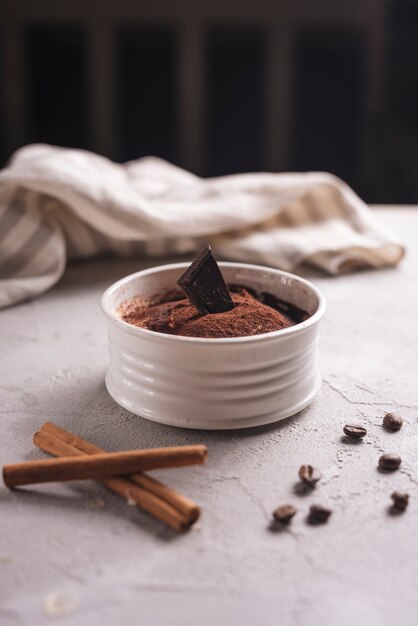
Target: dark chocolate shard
{"points": [[205, 286], [286, 308]]}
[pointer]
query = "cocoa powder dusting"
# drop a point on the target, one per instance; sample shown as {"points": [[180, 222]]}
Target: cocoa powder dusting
{"points": [[179, 317]]}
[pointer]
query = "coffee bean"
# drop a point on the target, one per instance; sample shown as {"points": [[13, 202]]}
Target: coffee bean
{"points": [[284, 513], [389, 462], [318, 514], [355, 432], [309, 475], [400, 500], [392, 421]]}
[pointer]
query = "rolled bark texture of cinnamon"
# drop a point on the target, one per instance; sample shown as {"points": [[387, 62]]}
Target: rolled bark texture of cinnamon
{"points": [[85, 460]]}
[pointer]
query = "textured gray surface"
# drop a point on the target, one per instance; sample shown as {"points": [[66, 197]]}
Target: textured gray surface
{"points": [[124, 568]]}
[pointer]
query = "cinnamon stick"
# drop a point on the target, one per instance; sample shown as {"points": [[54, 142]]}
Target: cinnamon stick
{"points": [[103, 465], [59, 442], [131, 492]]}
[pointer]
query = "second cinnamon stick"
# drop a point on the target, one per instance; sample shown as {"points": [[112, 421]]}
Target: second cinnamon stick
{"points": [[163, 502], [61, 442]]}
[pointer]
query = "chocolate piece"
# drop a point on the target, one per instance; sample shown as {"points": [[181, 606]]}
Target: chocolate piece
{"points": [[287, 308], [205, 286]]}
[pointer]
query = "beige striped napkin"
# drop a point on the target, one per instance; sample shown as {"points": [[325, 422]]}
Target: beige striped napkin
{"points": [[58, 204]]}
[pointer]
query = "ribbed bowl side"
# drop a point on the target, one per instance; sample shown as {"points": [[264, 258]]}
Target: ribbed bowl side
{"points": [[218, 386]]}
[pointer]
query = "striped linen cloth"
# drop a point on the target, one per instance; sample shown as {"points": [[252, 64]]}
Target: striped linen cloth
{"points": [[58, 204]]}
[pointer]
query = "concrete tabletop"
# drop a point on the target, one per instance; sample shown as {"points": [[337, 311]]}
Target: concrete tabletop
{"points": [[78, 554]]}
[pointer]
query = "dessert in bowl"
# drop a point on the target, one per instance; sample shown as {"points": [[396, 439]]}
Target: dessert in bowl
{"points": [[173, 314], [253, 363]]}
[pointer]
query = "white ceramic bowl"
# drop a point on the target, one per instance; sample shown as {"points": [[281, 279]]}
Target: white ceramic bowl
{"points": [[214, 383]]}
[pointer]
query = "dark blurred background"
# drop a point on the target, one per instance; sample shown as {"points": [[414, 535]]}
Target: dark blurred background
{"points": [[220, 86]]}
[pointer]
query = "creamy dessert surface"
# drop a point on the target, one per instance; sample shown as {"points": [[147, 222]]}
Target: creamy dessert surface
{"points": [[173, 314]]}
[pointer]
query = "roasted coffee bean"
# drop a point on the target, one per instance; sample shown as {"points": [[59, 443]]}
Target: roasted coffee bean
{"points": [[355, 432], [318, 514], [400, 500], [309, 475], [392, 421], [284, 513], [389, 462]]}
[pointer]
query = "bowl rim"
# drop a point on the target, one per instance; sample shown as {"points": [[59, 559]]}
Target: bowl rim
{"points": [[146, 333]]}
